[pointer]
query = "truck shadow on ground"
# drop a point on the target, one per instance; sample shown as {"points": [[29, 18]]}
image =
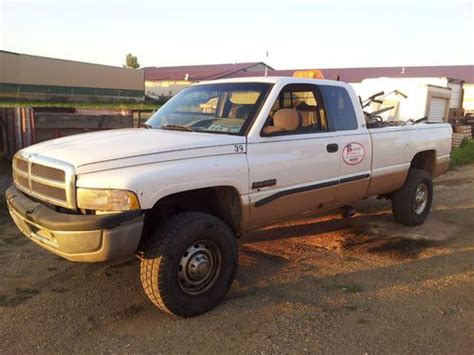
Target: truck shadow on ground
{"points": [[377, 234], [313, 290]]}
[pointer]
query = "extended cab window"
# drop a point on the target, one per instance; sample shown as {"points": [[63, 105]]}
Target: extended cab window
{"points": [[339, 107], [297, 110], [213, 108]]}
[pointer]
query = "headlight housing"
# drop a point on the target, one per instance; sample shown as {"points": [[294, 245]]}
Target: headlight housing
{"points": [[107, 199]]}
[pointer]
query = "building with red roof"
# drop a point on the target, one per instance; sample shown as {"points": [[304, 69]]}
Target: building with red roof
{"points": [[166, 81]]}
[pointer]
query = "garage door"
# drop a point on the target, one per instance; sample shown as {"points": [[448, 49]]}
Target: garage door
{"points": [[437, 109]]}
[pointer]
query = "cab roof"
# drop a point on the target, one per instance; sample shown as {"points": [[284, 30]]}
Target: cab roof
{"points": [[274, 80]]}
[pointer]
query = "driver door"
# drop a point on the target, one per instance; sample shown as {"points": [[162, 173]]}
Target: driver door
{"points": [[293, 170]]}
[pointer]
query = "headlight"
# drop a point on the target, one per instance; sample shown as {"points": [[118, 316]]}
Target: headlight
{"points": [[107, 199]]}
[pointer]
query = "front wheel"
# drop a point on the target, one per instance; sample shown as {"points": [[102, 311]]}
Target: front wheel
{"points": [[189, 264], [411, 204]]}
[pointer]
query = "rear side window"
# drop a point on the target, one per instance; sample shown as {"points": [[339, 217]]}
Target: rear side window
{"points": [[339, 108]]}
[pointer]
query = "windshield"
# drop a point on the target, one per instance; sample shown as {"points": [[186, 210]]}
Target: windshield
{"points": [[215, 108]]}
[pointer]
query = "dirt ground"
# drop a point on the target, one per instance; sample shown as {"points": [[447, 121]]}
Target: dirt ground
{"points": [[366, 284]]}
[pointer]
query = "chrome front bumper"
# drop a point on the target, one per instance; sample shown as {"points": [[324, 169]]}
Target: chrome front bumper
{"points": [[84, 238]]}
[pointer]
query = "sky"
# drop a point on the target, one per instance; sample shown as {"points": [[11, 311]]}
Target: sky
{"points": [[296, 34]]}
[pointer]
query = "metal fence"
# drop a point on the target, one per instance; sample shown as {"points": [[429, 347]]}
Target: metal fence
{"points": [[21, 127]]}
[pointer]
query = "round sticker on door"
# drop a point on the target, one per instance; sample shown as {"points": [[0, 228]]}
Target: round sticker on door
{"points": [[353, 153]]}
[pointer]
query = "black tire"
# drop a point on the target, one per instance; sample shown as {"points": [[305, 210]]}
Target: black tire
{"points": [[404, 200], [161, 268]]}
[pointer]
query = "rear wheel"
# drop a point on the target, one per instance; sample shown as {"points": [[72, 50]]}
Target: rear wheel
{"points": [[411, 204], [189, 264]]}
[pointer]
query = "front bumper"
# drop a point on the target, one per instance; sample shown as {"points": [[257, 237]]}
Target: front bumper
{"points": [[87, 238]]}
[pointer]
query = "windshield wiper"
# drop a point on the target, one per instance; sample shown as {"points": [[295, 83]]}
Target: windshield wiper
{"points": [[177, 127]]}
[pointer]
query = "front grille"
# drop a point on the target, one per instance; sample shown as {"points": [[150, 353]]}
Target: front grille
{"points": [[48, 172], [22, 181], [21, 165], [36, 177], [55, 193]]}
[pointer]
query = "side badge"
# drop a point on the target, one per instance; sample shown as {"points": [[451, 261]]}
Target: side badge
{"points": [[353, 153], [263, 183]]}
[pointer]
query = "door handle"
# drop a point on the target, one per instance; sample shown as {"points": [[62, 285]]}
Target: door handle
{"points": [[332, 148]]}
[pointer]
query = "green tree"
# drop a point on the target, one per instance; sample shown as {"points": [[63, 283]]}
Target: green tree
{"points": [[131, 62]]}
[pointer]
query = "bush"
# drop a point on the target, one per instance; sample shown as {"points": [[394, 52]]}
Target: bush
{"points": [[464, 154]]}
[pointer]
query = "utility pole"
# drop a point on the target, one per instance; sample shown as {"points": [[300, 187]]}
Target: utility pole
{"points": [[266, 59]]}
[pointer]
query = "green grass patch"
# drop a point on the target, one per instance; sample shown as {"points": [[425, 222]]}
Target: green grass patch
{"points": [[84, 105], [464, 154]]}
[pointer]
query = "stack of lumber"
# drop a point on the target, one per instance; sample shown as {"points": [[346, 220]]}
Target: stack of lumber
{"points": [[457, 139], [463, 125], [469, 120], [461, 132], [464, 130]]}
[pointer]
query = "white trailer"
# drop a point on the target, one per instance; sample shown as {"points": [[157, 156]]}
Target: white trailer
{"points": [[430, 97]]}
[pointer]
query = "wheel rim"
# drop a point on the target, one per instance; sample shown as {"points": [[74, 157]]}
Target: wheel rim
{"points": [[421, 198], [199, 267]]}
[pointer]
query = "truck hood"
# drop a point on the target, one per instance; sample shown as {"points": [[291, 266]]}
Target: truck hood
{"points": [[90, 152]]}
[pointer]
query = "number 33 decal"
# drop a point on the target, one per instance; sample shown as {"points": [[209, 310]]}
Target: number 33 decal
{"points": [[238, 148]]}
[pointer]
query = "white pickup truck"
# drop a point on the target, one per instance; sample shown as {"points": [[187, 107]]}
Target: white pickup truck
{"points": [[218, 159]]}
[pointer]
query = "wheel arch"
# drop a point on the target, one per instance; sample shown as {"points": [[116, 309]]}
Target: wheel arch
{"points": [[424, 160], [223, 202]]}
